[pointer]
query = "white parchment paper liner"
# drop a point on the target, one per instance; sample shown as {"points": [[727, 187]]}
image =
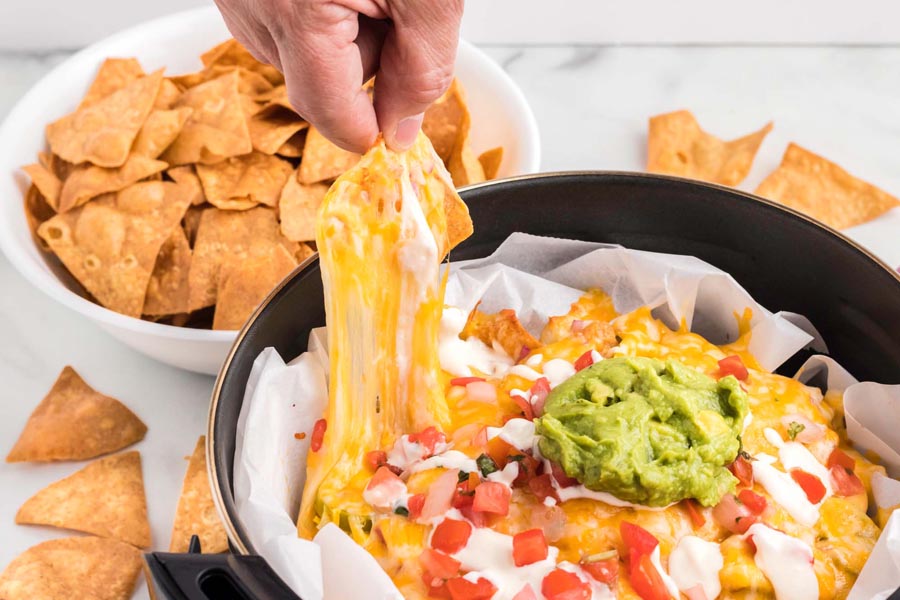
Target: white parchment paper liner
{"points": [[538, 277]]}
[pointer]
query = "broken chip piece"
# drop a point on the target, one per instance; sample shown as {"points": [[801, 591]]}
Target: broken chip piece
{"points": [[196, 513]]}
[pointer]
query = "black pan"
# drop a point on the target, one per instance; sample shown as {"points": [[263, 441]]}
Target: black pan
{"points": [[785, 261]]}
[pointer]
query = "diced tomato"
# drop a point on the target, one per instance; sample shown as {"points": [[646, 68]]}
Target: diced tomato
{"points": [[696, 593], [524, 405], [463, 589], [477, 518], [584, 361], [528, 468], [523, 353], [375, 459], [383, 488], [542, 487], [845, 482], [480, 440], [438, 565], [492, 497], [529, 547], [414, 505], [439, 591], [753, 501], [499, 450], [464, 381], [451, 536], [812, 485], [693, 510], [646, 580], [526, 593], [604, 571], [733, 365], [318, 435], [743, 470], [482, 391], [428, 438], [539, 392], [564, 585], [560, 476], [733, 515], [751, 543], [440, 495], [839, 457], [637, 539]]}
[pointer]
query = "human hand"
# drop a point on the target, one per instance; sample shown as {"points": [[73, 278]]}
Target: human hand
{"points": [[328, 49]]}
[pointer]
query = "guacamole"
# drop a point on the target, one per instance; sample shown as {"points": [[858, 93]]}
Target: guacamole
{"points": [[646, 431]]}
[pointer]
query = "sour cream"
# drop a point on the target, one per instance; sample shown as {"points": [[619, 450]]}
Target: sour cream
{"points": [[695, 561], [518, 433], [784, 490], [458, 357], [787, 563]]}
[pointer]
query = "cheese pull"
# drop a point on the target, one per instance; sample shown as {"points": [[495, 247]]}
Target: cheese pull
{"points": [[382, 231]]}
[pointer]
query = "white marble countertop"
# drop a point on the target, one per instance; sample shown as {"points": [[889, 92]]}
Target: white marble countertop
{"points": [[591, 103]]}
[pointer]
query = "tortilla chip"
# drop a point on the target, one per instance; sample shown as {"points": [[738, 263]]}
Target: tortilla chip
{"points": [[216, 129], [821, 189], [196, 514], [293, 148], [168, 292], [113, 75], [503, 328], [103, 133], [37, 210], [191, 223], [186, 177], [323, 160], [88, 181], [246, 284], [105, 498], [232, 53], [464, 166], [167, 96], [249, 82], [272, 127], [443, 120], [277, 96], [76, 567], [243, 182], [225, 238], [47, 183], [677, 146], [490, 161], [110, 244], [160, 130], [75, 422], [303, 252], [297, 209]]}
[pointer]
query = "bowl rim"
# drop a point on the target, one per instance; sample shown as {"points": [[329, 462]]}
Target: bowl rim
{"points": [[244, 547], [50, 284]]}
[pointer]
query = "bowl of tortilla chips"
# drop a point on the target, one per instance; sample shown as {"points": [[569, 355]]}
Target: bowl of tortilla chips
{"points": [[160, 183]]}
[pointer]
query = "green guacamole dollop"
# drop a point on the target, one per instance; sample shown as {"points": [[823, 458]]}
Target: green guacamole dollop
{"points": [[646, 431]]}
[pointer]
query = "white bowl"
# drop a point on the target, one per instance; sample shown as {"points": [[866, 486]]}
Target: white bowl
{"points": [[500, 116]]}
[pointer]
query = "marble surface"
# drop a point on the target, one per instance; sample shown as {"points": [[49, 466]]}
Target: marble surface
{"points": [[591, 105]]}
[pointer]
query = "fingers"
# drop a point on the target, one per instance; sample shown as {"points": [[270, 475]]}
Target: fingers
{"points": [[416, 65], [370, 40], [248, 30]]}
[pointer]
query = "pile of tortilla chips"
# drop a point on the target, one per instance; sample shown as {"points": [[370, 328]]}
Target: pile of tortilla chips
{"points": [[105, 499], [186, 199], [804, 181]]}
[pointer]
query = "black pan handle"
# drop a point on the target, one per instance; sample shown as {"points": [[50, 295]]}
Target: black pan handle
{"points": [[196, 576]]}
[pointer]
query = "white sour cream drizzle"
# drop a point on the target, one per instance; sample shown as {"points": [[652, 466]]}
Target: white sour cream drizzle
{"points": [[405, 454], [451, 459], [787, 563], [556, 370], [695, 561], [518, 433], [794, 455], [387, 495], [458, 357], [668, 581]]}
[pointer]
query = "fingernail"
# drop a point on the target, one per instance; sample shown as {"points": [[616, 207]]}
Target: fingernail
{"points": [[407, 130]]}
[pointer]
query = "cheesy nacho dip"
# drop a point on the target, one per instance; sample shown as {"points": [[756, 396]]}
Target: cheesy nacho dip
{"points": [[610, 456]]}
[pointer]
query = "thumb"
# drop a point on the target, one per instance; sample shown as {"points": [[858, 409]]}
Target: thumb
{"points": [[416, 65]]}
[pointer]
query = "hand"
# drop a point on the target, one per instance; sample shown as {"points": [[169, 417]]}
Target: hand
{"points": [[328, 49]]}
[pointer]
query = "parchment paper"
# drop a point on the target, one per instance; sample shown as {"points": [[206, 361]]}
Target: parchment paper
{"points": [[538, 277]]}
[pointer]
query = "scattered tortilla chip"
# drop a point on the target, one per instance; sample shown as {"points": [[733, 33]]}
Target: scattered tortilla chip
{"points": [[490, 161], [167, 96], [76, 567], [217, 127], [105, 498], [443, 120], [232, 53], [88, 181], [191, 223], [168, 292], [249, 82], [323, 160], [37, 210], [272, 127], [293, 148], [503, 328], [246, 284], [186, 177], [821, 189], [225, 238], [464, 166], [677, 146], [242, 182], [103, 133], [159, 130], [46, 181], [113, 75], [297, 209], [75, 422], [110, 244], [196, 514]]}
